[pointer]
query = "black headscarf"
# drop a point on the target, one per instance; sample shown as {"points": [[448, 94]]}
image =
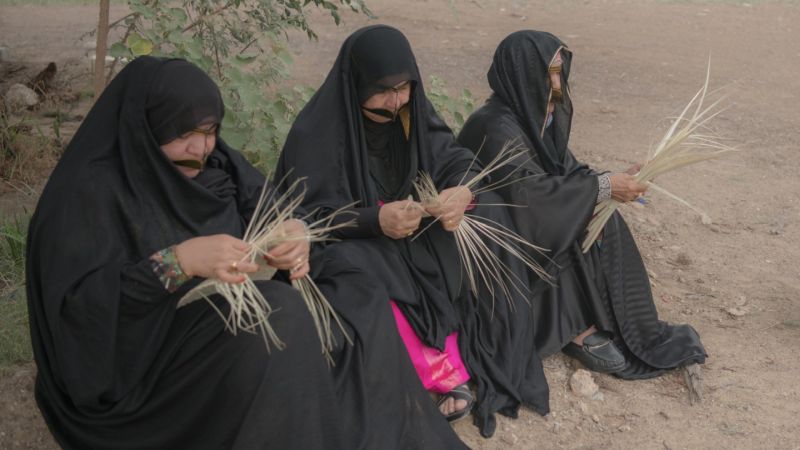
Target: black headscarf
{"points": [[113, 200], [519, 75], [180, 99], [327, 142], [380, 61]]}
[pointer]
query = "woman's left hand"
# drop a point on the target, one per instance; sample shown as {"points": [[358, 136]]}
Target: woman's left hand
{"points": [[452, 204], [291, 255]]}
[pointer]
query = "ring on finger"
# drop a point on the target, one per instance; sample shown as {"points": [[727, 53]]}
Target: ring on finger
{"points": [[234, 266]]}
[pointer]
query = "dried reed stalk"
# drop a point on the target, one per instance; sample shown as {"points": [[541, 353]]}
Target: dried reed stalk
{"points": [[249, 309], [684, 143], [483, 266]]}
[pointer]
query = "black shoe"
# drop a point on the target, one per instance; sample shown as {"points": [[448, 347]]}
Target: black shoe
{"points": [[598, 353]]}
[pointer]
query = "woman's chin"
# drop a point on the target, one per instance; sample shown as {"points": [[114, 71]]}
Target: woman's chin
{"points": [[188, 171]]}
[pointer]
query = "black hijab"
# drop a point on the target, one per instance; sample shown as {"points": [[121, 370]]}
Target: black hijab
{"points": [[331, 146], [328, 143], [519, 75], [113, 199], [180, 99]]}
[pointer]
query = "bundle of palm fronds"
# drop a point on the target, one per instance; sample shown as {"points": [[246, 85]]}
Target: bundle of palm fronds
{"points": [[687, 141], [474, 234], [249, 309]]}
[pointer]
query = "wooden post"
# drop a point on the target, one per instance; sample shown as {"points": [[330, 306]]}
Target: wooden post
{"points": [[100, 50]]}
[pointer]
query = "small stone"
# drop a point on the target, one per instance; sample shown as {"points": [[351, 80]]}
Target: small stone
{"points": [[20, 97], [510, 439], [736, 311], [624, 428], [582, 383], [556, 427], [596, 418]]}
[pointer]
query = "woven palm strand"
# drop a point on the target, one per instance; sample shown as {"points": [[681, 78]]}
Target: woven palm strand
{"points": [[687, 141], [482, 266], [249, 309]]}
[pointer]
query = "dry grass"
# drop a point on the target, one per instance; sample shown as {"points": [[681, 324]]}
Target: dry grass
{"points": [[687, 141], [475, 234], [26, 154], [249, 309]]}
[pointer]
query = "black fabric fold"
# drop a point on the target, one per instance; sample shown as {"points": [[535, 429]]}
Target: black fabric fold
{"points": [[331, 145], [608, 286], [118, 365]]}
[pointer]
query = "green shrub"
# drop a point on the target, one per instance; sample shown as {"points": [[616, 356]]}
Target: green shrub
{"points": [[15, 343], [242, 45], [454, 110]]}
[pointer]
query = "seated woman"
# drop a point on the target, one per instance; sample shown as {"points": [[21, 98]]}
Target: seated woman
{"points": [[146, 201], [363, 138], [600, 309]]}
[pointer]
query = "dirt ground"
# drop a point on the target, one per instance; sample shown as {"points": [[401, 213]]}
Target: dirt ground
{"points": [[635, 63]]}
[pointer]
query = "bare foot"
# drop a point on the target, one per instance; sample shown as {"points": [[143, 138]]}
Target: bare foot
{"points": [[452, 405], [579, 338]]}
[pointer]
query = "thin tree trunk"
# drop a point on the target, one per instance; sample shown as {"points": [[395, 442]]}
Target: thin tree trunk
{"points": [[100, 50]]}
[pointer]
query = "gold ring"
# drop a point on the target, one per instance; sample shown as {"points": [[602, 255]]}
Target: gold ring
{"points": [[234, 266], [410, 233]]}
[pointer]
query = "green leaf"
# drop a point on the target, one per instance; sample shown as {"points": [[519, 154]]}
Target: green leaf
{"points": [[245, 59], [138, 45], [119, 50], [178, 14]]}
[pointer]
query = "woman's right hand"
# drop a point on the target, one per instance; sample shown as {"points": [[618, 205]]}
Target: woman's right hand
{"points": [[400, 219], [220, 256], [625, 188]]}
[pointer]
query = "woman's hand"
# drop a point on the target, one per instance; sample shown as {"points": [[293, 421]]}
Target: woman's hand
{"points": [[634, 169], [400, 219], [220, 256], [625, 188], [291, 255], [452, 204]]}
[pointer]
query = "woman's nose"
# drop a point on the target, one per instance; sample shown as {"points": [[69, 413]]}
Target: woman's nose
{"points": [[197, 144], [555, 81]]}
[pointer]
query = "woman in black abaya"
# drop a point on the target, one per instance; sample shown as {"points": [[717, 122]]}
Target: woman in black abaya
{"points": [[600, 309], [145, 201], [363, 138]]}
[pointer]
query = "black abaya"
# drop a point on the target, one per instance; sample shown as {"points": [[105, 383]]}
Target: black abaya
{"points": [[118, 365], [608, 286], [346, 161]]}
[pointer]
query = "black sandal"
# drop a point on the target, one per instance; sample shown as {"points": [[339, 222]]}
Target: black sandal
{"points": [[460, 392]]}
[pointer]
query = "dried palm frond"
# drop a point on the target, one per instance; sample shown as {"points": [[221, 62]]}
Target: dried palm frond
{"points": [[321, 313], [249, 309], [703, 216], [474, 234], [685, 142]]}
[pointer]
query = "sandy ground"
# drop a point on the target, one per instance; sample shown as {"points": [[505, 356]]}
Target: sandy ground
{"points": [[635, 63]]}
